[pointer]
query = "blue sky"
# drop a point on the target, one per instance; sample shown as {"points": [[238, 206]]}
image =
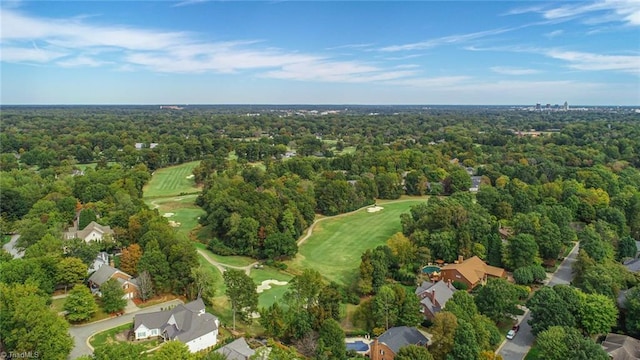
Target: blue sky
{"points": [[320, 52]]}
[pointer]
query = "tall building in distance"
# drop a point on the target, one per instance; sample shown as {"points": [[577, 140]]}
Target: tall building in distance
{"points": [[566, 106], [538, 107]]}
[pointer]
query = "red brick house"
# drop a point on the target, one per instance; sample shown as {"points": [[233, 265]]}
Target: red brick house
{"points": [[387, 345]]}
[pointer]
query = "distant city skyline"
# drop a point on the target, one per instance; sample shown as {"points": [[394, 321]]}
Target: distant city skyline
{"points": [[332, 52]]}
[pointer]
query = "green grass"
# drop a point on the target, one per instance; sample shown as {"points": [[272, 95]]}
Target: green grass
{"points": [[276, 292], [5, 239], [220, 287], [109, 337], [533, 354], [185, 212], [57, 305], [172, 181], [337, 243], [226, 260]]}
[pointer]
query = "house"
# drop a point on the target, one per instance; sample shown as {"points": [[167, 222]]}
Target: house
{"points": [[387, 345], [472, 272], [621, 347], [91, 232], [101, 259], [475, 183], [106, 272], [237, 350], [433, 296], [188, 323]]}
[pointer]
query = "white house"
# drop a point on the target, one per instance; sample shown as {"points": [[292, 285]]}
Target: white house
{"points": [[92, 232], [188, 323]]}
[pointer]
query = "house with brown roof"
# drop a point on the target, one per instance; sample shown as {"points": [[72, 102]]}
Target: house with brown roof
{"points": [[621, 347], [472, 272]]}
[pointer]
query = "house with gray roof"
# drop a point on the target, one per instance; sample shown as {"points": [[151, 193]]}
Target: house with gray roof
{"points": [[105, 273], [92, 232], [621, 347], [433, 296], [633, 265], [237, 350], [188, 323], [387, 345]]}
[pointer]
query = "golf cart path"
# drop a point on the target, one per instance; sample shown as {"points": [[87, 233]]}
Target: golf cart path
{"points": [[223, 267]]}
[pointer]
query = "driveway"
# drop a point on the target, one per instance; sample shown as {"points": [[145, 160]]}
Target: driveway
{"points": [[518, 348], [81, 333], [11, 249]]}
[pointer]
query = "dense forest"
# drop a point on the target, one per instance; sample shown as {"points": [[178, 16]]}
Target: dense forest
{"points": [[548, 178]]}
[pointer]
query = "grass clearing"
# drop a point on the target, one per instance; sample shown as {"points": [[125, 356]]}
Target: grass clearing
{"points": [[226, 260], [172, 181], [337, 243], [57, 305]]}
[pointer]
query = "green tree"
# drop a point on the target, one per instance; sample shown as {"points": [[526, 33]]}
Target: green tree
{"points": [[632, 311], [413, 352], [120, 351], [522, 250], [204, 283], [465, 346], [331, 343], [597, 314], [443, 331], [71, 271], [498, 299], [80, 304], [548, 309], [112, 296], [626, 248], [155, 262], [273, 321], [173, 350], [462, 305], [564, 343], [386, 305], [241, 291]]}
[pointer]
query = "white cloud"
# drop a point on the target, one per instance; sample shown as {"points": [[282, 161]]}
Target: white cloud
{"points": [[597, 62], [189, 2], [452, 39], [625, 11], [29, 55], [554, 34], [81, 61], [336, 71], [506, 70]]}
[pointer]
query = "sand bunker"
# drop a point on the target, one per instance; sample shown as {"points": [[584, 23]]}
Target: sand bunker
{"points": [[190, 176], [174, 223], [374, 209], [168, 215], [266, 285]]}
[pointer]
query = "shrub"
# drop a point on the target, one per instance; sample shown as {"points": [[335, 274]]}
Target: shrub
{"points": [[459, 285]]}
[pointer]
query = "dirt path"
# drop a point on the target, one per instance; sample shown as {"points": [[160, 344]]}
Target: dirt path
{"points": [[310, 229], [223, 267]]}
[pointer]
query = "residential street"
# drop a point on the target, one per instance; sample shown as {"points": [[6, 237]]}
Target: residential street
{"points": [[517, 348], [82, 333]]}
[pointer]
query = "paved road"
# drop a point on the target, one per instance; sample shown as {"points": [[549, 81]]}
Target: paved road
{"points": [[10, 247], [518, 348], [82, 333]]}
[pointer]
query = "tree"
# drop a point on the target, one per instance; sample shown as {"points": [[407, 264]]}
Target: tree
{"points": [[626, 248], [204, 283], [155, 262], [120, 351], [632, 311], [173, 350], [273, 321], [564, 343], [112, 296], [241, 291], [465, 346], [80, 304], [498, 299], [443, 332], [387, 305], [331, 343], [28, 325], [71, 271], [548, 309], [145, 285], [522, 250], [413, 352], [129, 259], [462, 305], [280, 245], [597, 314]]}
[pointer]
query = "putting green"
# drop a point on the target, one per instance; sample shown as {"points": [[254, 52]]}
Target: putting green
{"points": [[172, 181]]}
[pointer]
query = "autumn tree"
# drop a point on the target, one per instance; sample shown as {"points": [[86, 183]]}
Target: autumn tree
{"points": [[443, 331], [145, 285], [130, 258]]}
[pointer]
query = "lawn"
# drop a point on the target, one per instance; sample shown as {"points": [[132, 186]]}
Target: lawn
{"points": [[109, 337], [172, 181], [181, 211], [533, 354], [226, 260], [57, 305], [337, 243], [269, 296]]}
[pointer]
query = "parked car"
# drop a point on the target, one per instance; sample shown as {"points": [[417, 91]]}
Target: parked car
{"points": [[512, 333]]}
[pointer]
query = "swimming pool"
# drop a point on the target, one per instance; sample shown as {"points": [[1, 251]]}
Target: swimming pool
{"points": [[430, 269], [358, 346]]}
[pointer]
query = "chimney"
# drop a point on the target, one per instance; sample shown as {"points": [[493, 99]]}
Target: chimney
{"points": [[449, 283], [460, 259]]}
